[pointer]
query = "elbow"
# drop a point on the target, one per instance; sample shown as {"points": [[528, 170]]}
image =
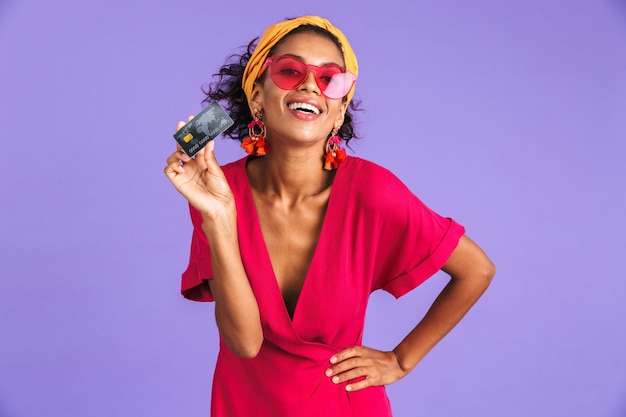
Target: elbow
{"points": [[481, 274], [247, 352], [248, 349], [489, 271], [492, 270], [484, 270], [243, 338]]}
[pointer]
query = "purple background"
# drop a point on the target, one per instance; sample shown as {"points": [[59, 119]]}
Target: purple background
{"points": [[508, 116]]}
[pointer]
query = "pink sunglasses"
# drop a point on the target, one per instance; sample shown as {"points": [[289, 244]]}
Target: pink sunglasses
{"points": [[289, 72]]}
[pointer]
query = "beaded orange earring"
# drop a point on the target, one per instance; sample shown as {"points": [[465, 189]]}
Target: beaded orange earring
{"points": [[334, 154], [255, 144]]}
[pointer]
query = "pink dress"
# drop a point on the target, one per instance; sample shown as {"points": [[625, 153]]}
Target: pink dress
{"points": [[376, 235]]}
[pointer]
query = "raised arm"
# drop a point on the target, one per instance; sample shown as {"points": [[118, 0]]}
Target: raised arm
{"points": [[470, 273], [201, 181]]}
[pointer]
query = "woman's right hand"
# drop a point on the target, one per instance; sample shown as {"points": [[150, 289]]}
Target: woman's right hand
{"points": [[202, 182], [200, 179]]}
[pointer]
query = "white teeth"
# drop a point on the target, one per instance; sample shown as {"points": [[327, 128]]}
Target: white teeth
{"points": [[307, 108]]}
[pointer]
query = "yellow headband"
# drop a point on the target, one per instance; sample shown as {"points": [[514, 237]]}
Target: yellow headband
{"points": [[275, 33]]}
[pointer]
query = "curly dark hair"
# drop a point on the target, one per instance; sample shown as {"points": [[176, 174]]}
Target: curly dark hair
{"points": [[227, 89]]}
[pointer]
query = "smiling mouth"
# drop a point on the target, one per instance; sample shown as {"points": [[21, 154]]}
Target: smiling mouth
{"points": [[304, 108]]}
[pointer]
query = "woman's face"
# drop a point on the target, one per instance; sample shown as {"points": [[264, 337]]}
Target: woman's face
{"points": [[302, 115]]}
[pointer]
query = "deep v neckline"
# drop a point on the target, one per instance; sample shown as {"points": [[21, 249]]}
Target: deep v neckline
{"points": [[264, 251]]}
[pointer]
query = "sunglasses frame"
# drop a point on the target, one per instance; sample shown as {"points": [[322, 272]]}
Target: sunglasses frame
{"points": [[309, 67]]}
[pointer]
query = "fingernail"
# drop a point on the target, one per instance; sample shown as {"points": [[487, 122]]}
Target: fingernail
{"points": [[333, 359], [348, 388], [329, 372], [335, 379]]}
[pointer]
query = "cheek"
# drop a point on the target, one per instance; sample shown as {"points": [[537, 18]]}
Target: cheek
{"points": [[272, 97], [337, 110]]}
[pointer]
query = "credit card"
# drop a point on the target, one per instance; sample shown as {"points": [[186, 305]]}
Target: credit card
{"points": [[211, 122]]}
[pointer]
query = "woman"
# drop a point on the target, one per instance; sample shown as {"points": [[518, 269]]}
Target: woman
{"points": [[290, 241]]}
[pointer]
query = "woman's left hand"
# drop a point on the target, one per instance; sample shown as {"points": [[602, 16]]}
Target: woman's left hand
{"points": [[374, 366]]}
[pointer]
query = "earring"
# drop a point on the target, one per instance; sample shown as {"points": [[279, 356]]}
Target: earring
{"points": [[334, 154], [255, 144]]}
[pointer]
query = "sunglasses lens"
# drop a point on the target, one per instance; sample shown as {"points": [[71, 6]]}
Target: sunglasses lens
{"points": [[337, 84], [288, 73]]}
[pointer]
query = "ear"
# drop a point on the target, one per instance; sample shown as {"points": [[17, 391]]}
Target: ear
{"points": [[255, 101], [341, 115]]}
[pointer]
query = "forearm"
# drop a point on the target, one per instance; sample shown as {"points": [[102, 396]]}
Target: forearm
{"points": [[448, 309], [236, 308], [383, 368]]}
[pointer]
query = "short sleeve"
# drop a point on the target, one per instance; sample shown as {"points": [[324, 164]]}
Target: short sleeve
{"points": [[199, 270], [443, 243], [413, 241]]}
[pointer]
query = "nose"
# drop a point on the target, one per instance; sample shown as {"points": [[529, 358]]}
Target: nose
{"points": [[310, 83]]}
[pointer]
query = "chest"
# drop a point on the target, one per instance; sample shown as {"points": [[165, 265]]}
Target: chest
{"points": [[291, 234]]}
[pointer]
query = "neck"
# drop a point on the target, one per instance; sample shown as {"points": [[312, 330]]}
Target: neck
{"points": [[291, 176]]}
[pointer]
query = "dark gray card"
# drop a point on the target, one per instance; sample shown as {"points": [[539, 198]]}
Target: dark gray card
{"points": [[207, 125]]}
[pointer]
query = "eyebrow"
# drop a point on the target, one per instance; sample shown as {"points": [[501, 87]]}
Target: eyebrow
{"points": [[322, 65]]}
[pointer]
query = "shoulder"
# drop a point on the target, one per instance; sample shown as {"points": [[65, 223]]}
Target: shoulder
{"points": [[236, 175], [376, 175], [237, 167], [372, 183]]}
